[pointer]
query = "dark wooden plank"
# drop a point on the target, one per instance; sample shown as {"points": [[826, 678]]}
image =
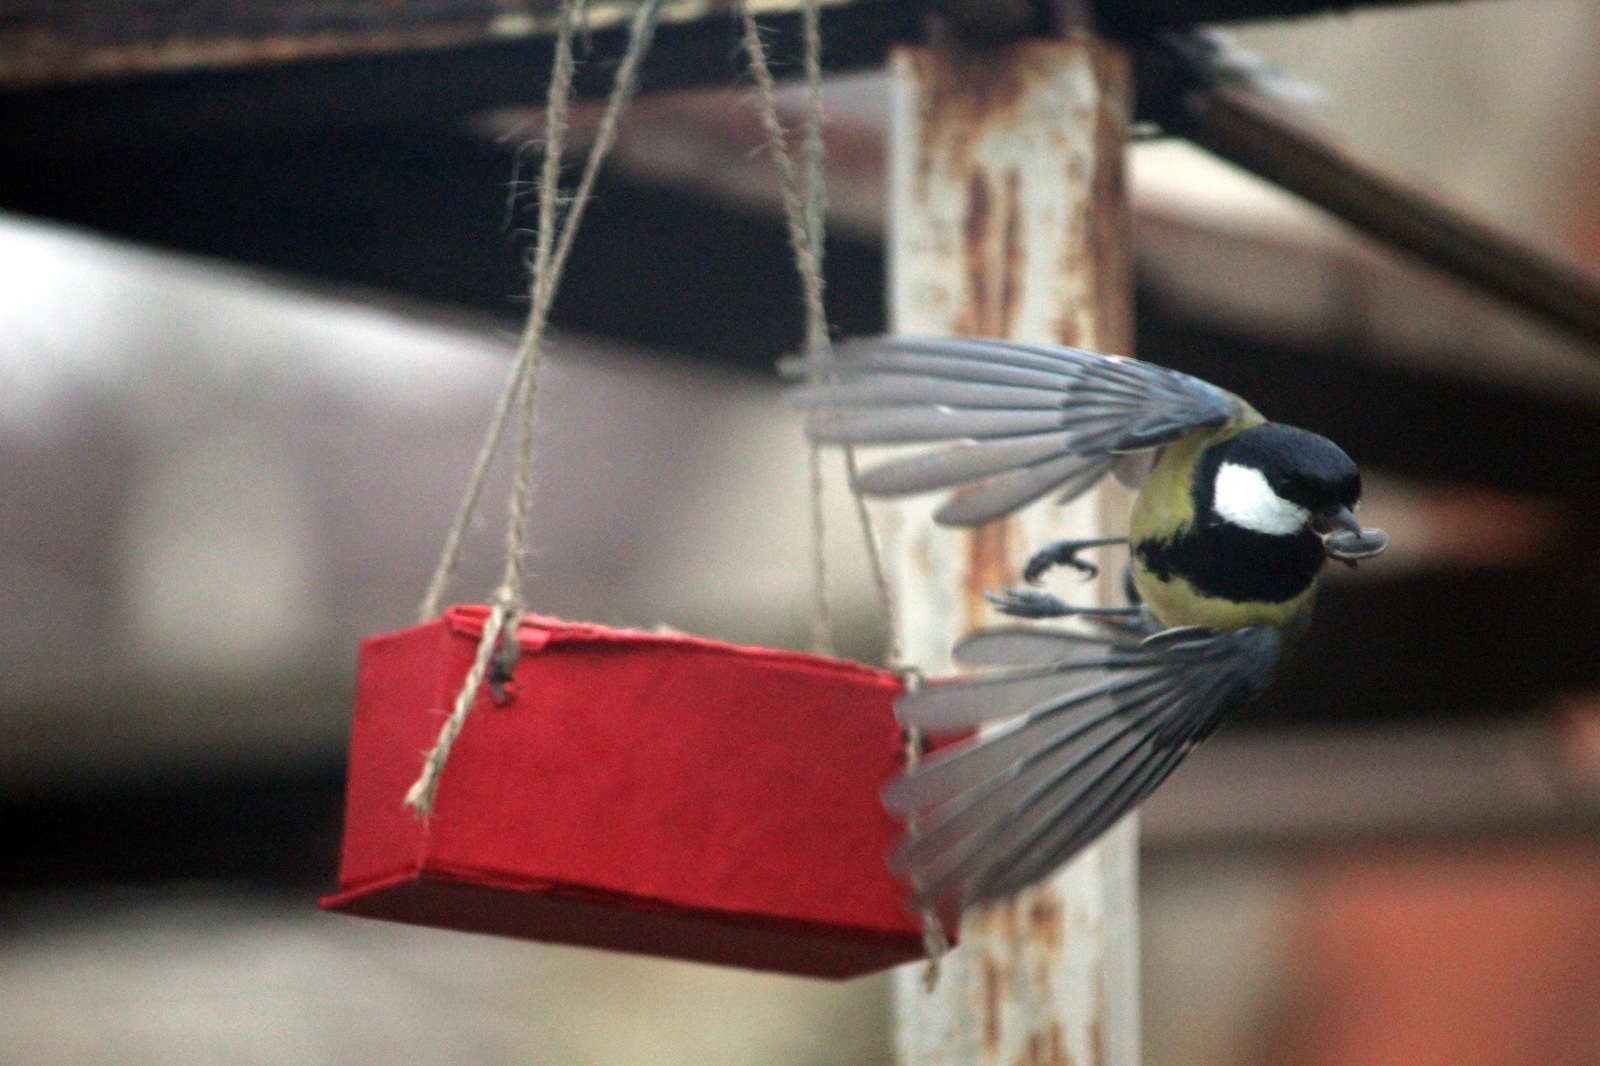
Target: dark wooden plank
{"points": [[46, 42], [438, 85], [105, 73]]}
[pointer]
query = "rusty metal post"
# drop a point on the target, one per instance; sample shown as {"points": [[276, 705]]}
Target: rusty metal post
{"points": [[1009, 219]]}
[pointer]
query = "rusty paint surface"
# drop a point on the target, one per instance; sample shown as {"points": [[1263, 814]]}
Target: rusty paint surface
{"points": [[994, 253], [1109, 237], [1009, 218], [988, 567], [965, 92], [1046, 1047], [994, 990], [1044, 923]]}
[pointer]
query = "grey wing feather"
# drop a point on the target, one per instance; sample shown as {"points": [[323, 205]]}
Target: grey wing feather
{"points": [[958, 464], [1131, 469], [893, 390], [1024, 420], [1005, 492], [1027, 646], [1001, 811], [908, 425]]}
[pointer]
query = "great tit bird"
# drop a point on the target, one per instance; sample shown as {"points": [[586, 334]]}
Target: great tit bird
{"points": [[1233, 521]]}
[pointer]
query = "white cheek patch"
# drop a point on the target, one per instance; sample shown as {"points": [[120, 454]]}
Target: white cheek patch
{"points": [[1243, 497]]}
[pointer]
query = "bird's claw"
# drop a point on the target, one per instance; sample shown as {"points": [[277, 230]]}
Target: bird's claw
{"points": [[1064, 553], [1028, 603], [1045, 561]]}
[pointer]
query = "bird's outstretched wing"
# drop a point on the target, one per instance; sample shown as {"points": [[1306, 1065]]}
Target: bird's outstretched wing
{"points": [[1104, 721], [1025, 419]]}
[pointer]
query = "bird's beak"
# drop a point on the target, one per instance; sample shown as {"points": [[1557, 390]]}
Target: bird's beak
{"points": [[1345, 540]]}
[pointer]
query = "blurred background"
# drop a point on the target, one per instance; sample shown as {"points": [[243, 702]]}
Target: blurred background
{"points": [[250, 333]]}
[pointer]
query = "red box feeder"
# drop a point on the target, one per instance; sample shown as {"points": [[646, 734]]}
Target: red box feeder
{"points": [[652, 793]]}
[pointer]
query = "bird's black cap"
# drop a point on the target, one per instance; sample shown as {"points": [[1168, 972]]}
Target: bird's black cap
{"points": [[1302, 467]]}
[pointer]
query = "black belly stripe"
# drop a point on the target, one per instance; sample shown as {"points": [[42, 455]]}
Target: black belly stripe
{"points": [[1231, 563]]}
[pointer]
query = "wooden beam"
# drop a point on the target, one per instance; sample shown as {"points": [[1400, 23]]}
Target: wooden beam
{"points": [[1009, 218], [1187, 88], [349, 88], [89, 40], [53, 42]]}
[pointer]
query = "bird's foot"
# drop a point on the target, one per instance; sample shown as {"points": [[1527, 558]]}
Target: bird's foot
{"points": [[1065, 553], [1028, 603], [1019, 602]]}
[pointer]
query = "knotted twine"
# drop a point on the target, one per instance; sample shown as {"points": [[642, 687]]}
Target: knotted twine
{"points": [[804, 194], [553, 244]]}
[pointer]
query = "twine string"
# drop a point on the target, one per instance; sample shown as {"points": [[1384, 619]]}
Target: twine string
{"points": [[552, 246], [546, 279], [805, 210], [815, 192], [424, 790], [894, 655], [804, 197], [935, 945]]}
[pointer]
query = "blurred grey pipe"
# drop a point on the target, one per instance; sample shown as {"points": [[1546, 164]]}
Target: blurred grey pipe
{"points": [[1196, 87]]}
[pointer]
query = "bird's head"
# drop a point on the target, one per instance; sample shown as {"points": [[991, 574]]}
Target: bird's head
{"points": [[1281, 481]]}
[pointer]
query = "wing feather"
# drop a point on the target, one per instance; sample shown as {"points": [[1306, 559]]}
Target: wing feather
{"points": [[1143, 776], [918, 364], [1004, 493], [908, 425], [1002, 810], [890, 390], [958, 464], [1062, 416], [963, 826], [1113, 759], [950, 774], [1028, 646]]}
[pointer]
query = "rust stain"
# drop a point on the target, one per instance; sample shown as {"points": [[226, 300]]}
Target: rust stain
{"points": [[994, 988], [1012, 254], [988, 566], [1101, 252], [962, 91], [921, 557], [993, 254], [1097, 1016], [975, 251], [1046, 1047], [998, 922], [1044, 921]]}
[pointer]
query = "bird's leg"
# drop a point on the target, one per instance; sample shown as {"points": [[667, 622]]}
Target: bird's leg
{"points": [[1065, 553], [1022, 602]]}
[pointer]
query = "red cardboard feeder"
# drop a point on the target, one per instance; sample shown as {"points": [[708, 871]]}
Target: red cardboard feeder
{"points": [[652, 793]]}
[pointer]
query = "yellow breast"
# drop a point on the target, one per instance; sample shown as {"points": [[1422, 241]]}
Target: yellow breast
{"points": [[1175, 602]]}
